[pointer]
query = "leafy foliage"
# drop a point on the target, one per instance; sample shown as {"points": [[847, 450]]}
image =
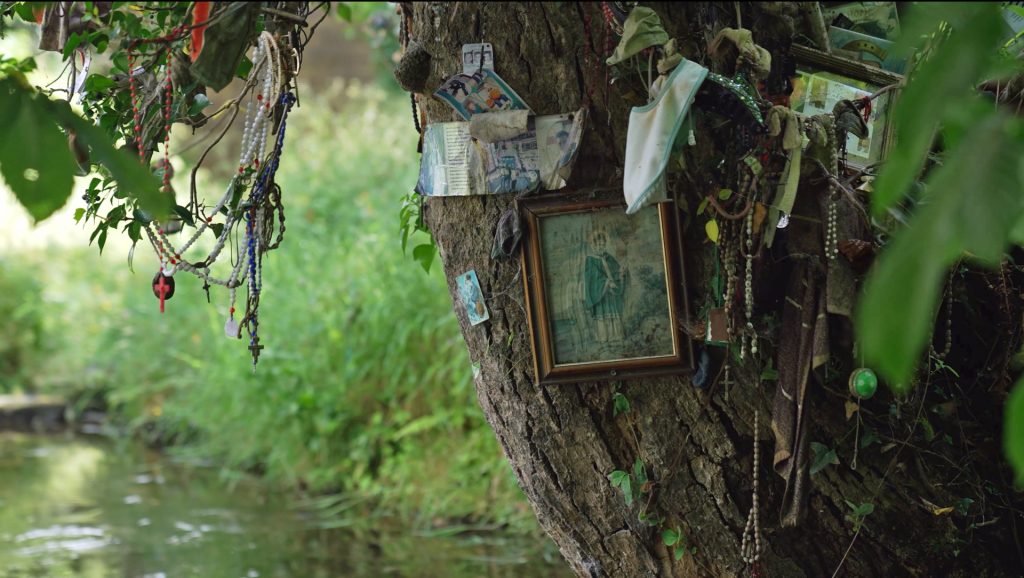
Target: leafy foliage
{"points": [[859, 513], [1013, 434], [34, 158], [824, 456], [970, 205]]}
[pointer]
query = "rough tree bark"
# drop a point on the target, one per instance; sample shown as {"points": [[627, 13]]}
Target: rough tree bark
{"points": [[563, 441]]}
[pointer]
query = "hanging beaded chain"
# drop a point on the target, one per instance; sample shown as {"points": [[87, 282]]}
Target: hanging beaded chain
{"points": [[750, 549], [749, 336], [747, 185], [941, 356], [256, 236], [137, 124], [168, 100], [832, 217], [609, 17], [266, 68], [728, 257], [729, 264], [165, 254], [831, 235]]}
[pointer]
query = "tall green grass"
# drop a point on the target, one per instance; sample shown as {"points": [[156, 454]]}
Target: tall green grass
{"points": [[364, 386]]}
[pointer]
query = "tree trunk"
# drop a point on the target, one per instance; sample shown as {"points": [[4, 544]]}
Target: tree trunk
{"points": [[563, 441]]}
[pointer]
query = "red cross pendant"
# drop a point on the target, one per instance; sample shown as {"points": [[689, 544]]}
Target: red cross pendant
{"points": [[163, 288]]}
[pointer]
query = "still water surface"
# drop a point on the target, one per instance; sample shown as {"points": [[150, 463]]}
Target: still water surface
{"points": [[90, 508]]}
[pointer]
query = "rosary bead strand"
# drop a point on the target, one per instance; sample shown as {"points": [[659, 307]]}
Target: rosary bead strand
{"points": [[750, 548]]}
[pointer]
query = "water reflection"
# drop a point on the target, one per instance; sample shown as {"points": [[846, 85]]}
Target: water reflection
{"points": [[83, 508]]}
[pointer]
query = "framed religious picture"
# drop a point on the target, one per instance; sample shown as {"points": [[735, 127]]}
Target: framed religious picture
{"points": [[604, 290], [824, 79]]}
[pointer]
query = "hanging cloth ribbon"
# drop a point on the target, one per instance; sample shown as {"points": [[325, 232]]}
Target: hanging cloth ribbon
{"points": [[783, 121], [652, 132], [641, 30], [756, 59]]}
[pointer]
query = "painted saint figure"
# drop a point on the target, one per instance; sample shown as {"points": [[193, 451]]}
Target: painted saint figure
{"points": [[604, 282]]}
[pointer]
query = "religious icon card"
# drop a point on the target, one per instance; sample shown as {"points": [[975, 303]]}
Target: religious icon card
{"points": [[472, 298], [604, 290]]}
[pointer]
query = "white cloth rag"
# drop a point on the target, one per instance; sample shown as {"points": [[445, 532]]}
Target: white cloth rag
{"points": [[652, 131]]}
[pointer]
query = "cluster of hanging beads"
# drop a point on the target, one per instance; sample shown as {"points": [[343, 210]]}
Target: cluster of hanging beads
{"points": [[750, 548], [729, 262], [832, 221], [748, 290], [941, 355], [831, 228]]}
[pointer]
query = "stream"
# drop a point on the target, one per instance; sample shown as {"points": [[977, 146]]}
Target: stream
{"points": [[73, 506]]}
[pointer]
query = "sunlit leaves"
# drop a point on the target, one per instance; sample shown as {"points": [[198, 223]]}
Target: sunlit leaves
{"points": [[35, 159], [38, 166]]}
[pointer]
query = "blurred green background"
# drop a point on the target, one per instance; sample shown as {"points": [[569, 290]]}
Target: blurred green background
{"points": [[363, 399]]}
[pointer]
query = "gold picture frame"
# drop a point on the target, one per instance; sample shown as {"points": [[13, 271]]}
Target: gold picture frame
{"points": [[823, 79], [605, 292]]}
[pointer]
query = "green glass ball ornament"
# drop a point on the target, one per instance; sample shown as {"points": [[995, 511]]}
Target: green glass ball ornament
{"points": [[863, 383]]}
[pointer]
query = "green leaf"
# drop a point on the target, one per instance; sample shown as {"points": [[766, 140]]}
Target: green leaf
{"points": [[132, 178], [79, 213], [679, 552], [963, 506], [649, 520], [24, 10], [120, 60], [620, 404], [115, 215], [823, 457], [217, 229], [724, 194], [640, 472], [702, 206], [940, 85], [670, 537], [135, 230], [868, 438], [97, 83], [929, 431], [617, 477], [424, 255], [199, 102], [74, 40], [344, 11], [973, 203], [35, 160], [1013, 431], [620, 479], [244, 66], [185, 215], [711, 228]]}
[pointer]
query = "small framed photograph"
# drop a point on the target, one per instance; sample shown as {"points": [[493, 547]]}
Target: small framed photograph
{"points": [[823, 80], [604, 290]]}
